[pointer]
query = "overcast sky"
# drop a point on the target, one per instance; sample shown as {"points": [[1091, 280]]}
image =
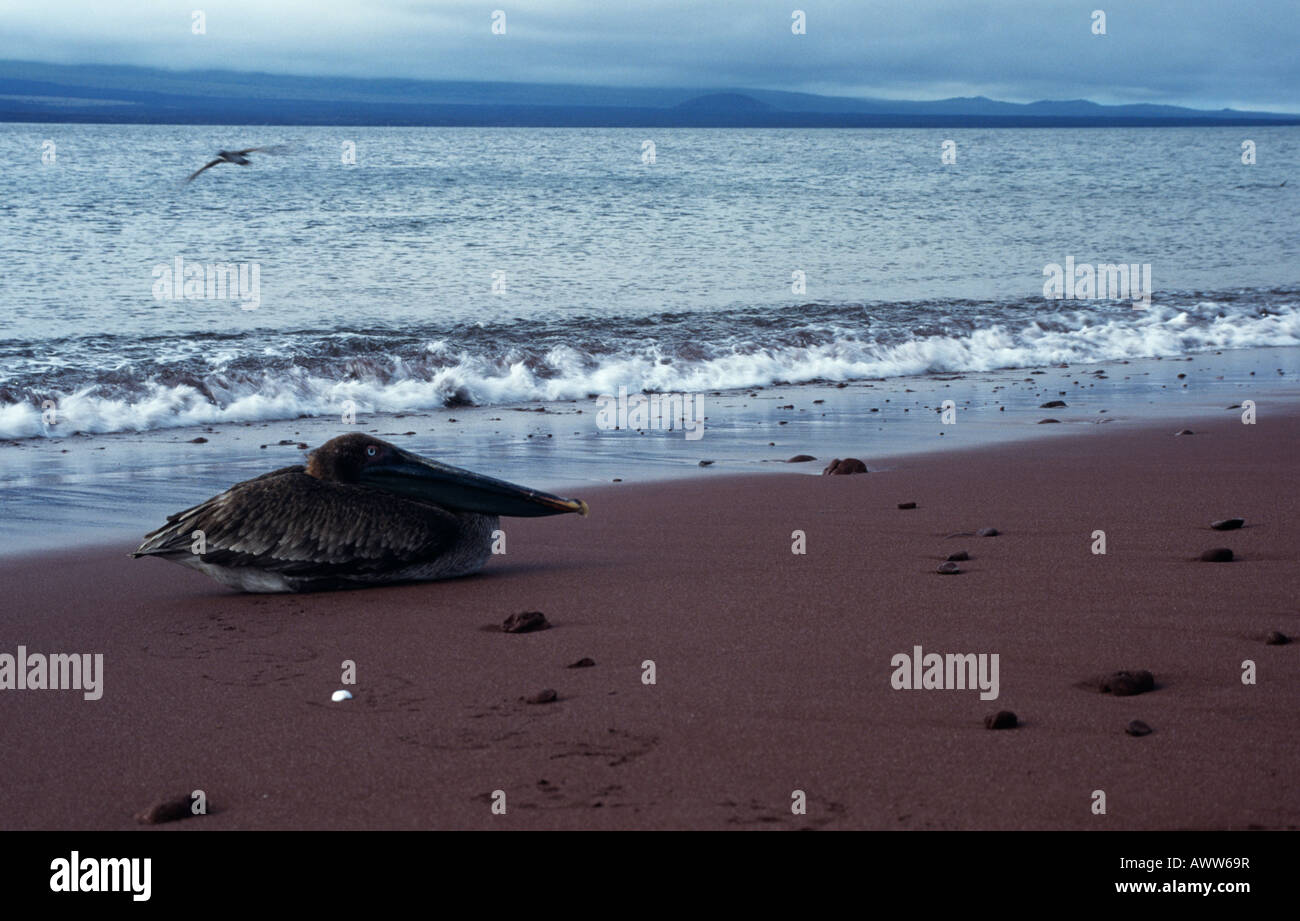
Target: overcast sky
{"points": [[1201, 53]]}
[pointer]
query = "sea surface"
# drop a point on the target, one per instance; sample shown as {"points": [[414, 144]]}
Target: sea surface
{"points": [[477, 267]]}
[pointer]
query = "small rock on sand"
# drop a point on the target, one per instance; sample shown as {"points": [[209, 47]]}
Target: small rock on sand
{"points": [[706, 463], [1126, 684], [1185, 432], [525, 622], [1053, 404], [1049, 421], [845, 466], [801, 459], [949, 569], [959, 557], [168, 810], [987, 532], [1003, 719], [1227, 524], [584, 662], [1217, 555], [907, 505], [544, 696], [198, 441], [1277, 638], [1138, 728]]}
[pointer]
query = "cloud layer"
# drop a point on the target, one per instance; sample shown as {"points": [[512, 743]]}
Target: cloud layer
{"points": [[1200, 53]]}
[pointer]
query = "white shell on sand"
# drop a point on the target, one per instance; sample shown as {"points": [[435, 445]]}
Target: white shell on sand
{"points": [[341, 695]]}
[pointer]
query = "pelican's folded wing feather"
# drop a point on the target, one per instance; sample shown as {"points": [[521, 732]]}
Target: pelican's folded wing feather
{"points": [[292, 523]]}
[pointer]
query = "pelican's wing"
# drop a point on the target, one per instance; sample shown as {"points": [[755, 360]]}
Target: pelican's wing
{"points": [[292, 523], [273, 149], [202, 168]]}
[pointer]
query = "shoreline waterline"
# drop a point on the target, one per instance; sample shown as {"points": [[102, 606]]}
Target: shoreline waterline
{"points": [[82, 490]]}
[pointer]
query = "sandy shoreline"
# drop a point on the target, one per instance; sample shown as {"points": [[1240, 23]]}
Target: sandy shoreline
{"points": [[773, 669], [127, 478]]}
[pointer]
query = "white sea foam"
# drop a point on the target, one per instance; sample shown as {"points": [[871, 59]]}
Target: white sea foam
{"points": [[565, 372]]}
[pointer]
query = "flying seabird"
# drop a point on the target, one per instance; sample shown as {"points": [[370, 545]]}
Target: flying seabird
{"points": [[361, 512], [235, 156]]}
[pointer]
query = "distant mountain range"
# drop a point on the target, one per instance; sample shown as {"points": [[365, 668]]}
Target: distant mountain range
{"points": [[34, 92]]}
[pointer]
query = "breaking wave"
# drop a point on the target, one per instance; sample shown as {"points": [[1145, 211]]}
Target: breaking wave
{"points": [[107, 384]]}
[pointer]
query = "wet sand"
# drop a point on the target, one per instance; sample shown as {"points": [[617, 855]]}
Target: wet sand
{"points": [[772, 669]]}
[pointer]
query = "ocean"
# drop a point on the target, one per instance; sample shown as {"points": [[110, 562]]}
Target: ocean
{"points": [[468, 267]]}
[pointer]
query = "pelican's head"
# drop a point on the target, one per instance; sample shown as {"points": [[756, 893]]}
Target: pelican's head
{"points": [[361, 460]]}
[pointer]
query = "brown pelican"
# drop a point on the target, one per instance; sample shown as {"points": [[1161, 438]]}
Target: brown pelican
{"points": [[239, 157], [361, 512]]}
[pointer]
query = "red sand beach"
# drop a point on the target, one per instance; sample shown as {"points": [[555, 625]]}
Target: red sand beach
{"points": [[772, 669]]}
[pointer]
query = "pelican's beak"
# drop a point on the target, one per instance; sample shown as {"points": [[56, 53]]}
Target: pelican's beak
{"points": [[463, 490]]}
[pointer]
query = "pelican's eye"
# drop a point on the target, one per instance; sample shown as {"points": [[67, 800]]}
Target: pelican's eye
{"points": [[371, 451]]}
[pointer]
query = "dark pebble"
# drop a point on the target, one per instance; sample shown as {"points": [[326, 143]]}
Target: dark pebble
{"points": [[584, 662], [846, 466], [198, 441], [987, 532], [958, 557], [949, 569], [1227, 524], [1185, 432], [907, 505], [1126, 684], [706, 463], [801, 459], [1138, 728], [1049, 421], [170, 810], [1053, 404], [1277, 638], [525, 622], [544, 696], [1003, 719], [1217, 555]]}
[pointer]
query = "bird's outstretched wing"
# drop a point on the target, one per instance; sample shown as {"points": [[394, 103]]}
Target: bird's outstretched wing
{"points": [[273, 149], [294, 524], [202, 168]]}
